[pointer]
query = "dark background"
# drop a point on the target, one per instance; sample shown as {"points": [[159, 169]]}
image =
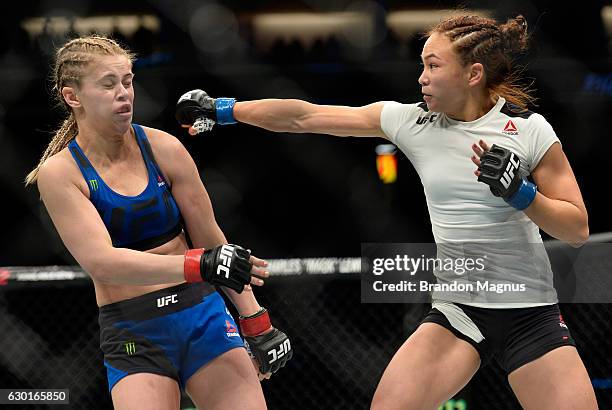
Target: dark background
{"points": [[284, 195], [293, 195]]}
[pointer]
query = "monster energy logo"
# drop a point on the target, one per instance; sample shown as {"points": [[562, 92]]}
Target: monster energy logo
{"points": [[130, 348], [94, 184]]}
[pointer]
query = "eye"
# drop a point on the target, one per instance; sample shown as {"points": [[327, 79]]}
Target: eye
{"points": [[127, 84], [431, 66]]}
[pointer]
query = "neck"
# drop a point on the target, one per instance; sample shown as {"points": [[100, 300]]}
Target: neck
{"points": [[104, 144], [474, 107]]}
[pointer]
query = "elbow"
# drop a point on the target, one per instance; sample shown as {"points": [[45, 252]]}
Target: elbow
{"points": [[99, 270], [580, 237], [303, 119], [297, 125]]}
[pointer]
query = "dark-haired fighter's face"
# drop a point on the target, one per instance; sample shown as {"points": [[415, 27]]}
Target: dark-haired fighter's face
{"points": [[444, 81], [107, 95]]}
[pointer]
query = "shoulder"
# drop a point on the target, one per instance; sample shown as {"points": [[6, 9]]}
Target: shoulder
{"points": [[397, 107], [396, 116], [514, 111], [59, 171], [398, 113], [530, 121], [161, 141], [169, 152]]}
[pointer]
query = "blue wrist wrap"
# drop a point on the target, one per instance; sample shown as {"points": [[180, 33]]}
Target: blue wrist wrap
{"points": [[524, 196], [225, 110]]}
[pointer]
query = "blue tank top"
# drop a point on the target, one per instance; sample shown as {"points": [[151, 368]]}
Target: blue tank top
{"points": [[140, 222]]}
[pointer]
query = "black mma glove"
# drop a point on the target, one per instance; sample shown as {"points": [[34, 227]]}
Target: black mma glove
{"points": [[271, 350], [225, 265], [499, 169], [198, 109]]}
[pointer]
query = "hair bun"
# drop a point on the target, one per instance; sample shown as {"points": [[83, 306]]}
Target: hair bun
{"points": [[515, 36]]}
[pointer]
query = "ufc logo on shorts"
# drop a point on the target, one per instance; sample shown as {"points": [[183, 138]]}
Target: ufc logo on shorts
{"points": [[226, 258], [280, 352], [166, 300], [512, 167]]}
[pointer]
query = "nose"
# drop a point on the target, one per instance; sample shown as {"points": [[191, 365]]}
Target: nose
{"points": [[122, 93], [423, 80]]}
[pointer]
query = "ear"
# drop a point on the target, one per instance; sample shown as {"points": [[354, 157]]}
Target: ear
{"points": [[70, 96], [476, 74]]}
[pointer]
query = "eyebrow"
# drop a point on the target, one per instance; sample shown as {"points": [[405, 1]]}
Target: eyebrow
{"points": [[430, 55], [113, 75]]}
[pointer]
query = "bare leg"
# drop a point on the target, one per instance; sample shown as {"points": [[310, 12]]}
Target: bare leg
{"points": [[227, 382], [558, 380], [146, 391], [429, 368]]}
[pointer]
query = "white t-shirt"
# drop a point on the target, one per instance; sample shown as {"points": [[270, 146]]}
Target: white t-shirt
{"points": [[463, 210]]}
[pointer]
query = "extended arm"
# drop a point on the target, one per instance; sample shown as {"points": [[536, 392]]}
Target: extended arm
{"points": [[282, 115]]}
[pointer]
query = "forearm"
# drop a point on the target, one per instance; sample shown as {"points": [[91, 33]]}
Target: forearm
{"points": [[272, 114], [211, 235], [245, 302], [298, 116], [560, 219], [121, 266]]}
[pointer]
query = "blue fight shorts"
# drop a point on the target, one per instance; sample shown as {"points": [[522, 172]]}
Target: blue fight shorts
{"points": [[172, 332]]}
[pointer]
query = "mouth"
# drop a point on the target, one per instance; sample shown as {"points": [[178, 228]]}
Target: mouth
{"points": [[124, 110]]}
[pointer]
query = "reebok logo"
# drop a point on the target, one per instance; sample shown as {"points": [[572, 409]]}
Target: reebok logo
{"points": [[166, 300], [510, 128], [231, 330], [160, 181], [562, 322]]}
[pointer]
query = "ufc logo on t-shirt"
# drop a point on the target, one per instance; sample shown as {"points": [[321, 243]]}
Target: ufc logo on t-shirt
{"points": [[281, 351], [511, 168], [226, 258]]}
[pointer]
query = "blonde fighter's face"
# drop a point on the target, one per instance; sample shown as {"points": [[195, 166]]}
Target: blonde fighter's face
{"points": [[106, 94]]}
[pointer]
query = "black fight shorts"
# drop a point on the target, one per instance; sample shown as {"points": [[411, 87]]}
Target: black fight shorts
{"points": [[513, 337]]}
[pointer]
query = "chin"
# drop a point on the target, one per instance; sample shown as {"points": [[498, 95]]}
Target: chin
{"points": [[123, 127], [432, 106]]}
